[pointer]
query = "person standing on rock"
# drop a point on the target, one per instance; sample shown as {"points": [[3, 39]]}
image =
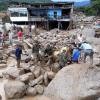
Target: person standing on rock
{"points": [[18, 53], [88, 51], [10, 33], [35, 50], [20, 35], [49, 53], [1, 38], [62, 59], [80, 38]]}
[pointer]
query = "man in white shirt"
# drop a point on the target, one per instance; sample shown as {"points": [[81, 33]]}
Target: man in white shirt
{"points": [[10, 37], [88, 51], [80, 38]]}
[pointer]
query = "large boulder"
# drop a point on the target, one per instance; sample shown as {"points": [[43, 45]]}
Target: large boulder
{"points": [[75, 82], [14, 89], [51, 75], [36, 81], [13, 72], [26, 77], [36, 70], [31, 91], [55, 67], [39, 89]]}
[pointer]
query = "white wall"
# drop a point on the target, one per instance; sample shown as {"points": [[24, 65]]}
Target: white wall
{"points": [[18, 19]]}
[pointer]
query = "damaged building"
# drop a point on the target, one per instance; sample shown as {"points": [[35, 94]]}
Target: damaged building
{"points": [[46, 15]]}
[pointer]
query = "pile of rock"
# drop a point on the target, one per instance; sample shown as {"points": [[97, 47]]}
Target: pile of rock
{"points": [[58, 38], [31, 81]]}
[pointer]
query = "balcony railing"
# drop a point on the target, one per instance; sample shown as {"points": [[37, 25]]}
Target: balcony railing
{"points": [[39, 18]]}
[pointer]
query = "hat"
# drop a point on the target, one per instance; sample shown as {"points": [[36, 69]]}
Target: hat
{"points": [[63, 49]]}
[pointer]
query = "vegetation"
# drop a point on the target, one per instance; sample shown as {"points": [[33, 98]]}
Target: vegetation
{"points": [[4, 3], [3, 6], [93, 9]]}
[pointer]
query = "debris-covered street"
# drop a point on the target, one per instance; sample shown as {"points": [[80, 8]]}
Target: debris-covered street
{"points": [[50, 57], [35, 74]]}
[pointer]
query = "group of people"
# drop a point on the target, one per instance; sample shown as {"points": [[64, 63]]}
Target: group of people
{"points": [[77, 52], [9, 36]]}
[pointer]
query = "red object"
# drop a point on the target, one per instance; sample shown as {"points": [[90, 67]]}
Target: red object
{"points": [[20, 34]]}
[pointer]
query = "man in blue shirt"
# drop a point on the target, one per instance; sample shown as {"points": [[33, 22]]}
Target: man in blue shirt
{"points": [[18, 53], [76, 55]]}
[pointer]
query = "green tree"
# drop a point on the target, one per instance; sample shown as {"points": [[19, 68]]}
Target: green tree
{"points": [[93, 9], [3, 6], [96, 6]]}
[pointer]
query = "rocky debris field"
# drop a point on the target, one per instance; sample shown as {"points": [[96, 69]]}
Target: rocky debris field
{"points": [[74, 82]]}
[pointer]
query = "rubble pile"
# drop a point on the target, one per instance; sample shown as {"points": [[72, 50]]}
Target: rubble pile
{"points": [[34, 76], [81, 19], [56, 37], [30, 81]]}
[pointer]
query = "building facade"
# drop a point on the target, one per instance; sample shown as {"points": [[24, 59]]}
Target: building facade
{"points": [[47, 15]]}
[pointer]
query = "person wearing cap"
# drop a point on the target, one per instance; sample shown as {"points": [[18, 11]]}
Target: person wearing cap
{"points": [[88, 51], [18, 53]]}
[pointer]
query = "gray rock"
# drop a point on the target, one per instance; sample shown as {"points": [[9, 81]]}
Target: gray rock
{"points": [[26, 67], [32, 69], [31, 91], [55, 67], [37, 72], [3, 65], [14, 89], [36, 81], [75, 82], [26, 77], [51, 75], [46, 82], [13, 72], [39, 89]]}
